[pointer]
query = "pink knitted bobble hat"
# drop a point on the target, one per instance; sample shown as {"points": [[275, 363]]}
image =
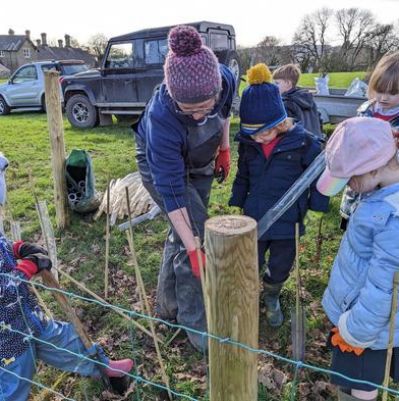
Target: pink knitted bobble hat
{"points": [[191, 69]]}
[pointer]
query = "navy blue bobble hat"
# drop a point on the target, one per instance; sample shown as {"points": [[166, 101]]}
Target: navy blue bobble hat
{"points": [[261, 105]]}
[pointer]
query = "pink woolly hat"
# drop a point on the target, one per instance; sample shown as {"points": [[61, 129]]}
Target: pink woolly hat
{"points": [[357, 146], [191, 69]]}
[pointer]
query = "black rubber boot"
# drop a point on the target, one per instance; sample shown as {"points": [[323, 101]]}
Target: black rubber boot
{"points": [[271, 295]]}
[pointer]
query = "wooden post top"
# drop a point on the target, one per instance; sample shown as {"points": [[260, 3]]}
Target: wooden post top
{"points": [[230, 225]]}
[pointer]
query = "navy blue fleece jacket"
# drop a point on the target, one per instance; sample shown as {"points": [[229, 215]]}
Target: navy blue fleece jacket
{"points": [[161, 141]]}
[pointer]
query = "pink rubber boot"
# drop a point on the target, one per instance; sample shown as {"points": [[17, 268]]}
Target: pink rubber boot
{"points": [[121, 367]]}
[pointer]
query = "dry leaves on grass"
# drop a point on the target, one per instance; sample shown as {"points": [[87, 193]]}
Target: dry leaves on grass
{"points": [[272, 378], [318, 391]]}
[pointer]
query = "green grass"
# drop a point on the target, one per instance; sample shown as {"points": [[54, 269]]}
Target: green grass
{"points": [[24, 140], [337, 79]]}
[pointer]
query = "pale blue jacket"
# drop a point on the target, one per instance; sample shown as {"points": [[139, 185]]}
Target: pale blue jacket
{"points": [[359, 294]]}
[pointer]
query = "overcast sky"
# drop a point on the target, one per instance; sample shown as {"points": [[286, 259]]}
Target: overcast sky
{"points": [[252, 20]]}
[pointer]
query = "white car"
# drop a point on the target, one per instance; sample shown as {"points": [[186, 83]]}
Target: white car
{"points": [[25, 88]]}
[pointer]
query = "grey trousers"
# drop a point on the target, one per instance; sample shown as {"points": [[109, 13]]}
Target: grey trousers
{"points": [[179, 293]]}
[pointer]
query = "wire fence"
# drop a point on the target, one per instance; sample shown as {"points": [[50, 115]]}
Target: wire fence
{"points": [[298, 365]]}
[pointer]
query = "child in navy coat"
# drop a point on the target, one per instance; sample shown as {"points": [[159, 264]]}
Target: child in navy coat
{"points": [[273, 153]]}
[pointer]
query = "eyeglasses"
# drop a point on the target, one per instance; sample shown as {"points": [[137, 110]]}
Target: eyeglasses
{"points": [[205, 111]]}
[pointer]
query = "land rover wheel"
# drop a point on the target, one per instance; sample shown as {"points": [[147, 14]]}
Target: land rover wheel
{"points": [[81, 113]]}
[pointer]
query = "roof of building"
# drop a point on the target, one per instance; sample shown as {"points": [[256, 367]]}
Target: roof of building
{"points": [[4, 68], [64, 53], [13, 43]]}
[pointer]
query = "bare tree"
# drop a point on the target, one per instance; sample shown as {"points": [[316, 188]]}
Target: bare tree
{"points": [[74, 42], [382, 39], [310, 40], [355, 28], [97, 45], [268, 50]]}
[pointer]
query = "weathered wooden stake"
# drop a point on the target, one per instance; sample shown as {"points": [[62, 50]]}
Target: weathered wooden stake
{"points": [[56, 131], [48, 234], [15, 230], [232, 292], [16, 236]]}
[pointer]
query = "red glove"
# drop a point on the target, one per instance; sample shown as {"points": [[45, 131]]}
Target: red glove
{"points": [[34, 264], [338, 341], [222, 164], [27, 267], [195, 266]]}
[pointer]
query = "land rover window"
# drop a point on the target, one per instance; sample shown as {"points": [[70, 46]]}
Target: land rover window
{"points": [[155, 51], [219, 41], [120, 55]]}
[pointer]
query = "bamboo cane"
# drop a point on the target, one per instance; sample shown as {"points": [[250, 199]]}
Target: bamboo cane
{"points": [[319, 242], [98, 298], [298, 319], [51, 282], [107, 235], [394, 308], [141, 286]]}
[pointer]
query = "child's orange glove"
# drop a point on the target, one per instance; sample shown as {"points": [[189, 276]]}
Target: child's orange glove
{"points": [[338, 341]]}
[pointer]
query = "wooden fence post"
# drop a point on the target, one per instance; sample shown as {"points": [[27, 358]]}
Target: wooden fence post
{"points": [[232, 299], [56, 131]]}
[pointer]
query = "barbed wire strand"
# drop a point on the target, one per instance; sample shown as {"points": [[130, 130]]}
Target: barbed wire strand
{"points": [[278, 357]]}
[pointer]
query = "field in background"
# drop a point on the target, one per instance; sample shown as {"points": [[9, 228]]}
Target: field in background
{"points": [[337, 79]]}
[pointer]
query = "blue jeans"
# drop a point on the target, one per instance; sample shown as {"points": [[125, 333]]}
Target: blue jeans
{"points": [[62, 335]]}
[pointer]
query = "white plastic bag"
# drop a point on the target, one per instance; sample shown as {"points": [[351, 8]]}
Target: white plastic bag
{"points": [[322, 85], [357, 88]]}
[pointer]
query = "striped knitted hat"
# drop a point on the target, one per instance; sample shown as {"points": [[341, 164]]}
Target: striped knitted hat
{"points": [[192, 72], [261, 106]]}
